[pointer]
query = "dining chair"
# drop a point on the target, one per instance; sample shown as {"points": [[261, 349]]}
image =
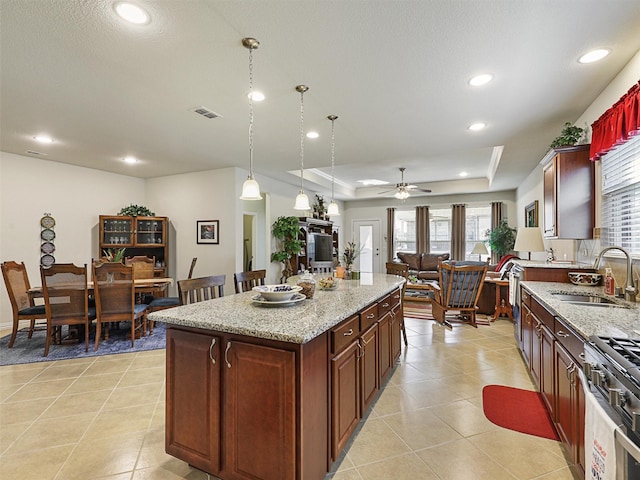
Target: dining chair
{"points": [[66, 300], [114, 291], [143, 267], [245, 281], [194, 290], [320, 267], [402, 270], [24, 308], [460, 285]]}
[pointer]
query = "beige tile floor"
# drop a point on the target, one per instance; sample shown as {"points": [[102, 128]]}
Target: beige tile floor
{"points": [[103, 417]]}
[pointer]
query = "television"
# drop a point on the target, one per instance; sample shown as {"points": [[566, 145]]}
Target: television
{"points": [[322, 247]]}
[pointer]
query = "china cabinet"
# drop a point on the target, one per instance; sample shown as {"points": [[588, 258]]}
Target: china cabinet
{"points": [[139, 236]]}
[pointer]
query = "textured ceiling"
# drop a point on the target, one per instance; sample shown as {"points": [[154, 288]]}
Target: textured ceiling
{"points": [[395, 72]]}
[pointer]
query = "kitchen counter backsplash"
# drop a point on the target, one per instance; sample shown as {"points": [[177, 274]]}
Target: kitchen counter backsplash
{"points": [[589, 320]]}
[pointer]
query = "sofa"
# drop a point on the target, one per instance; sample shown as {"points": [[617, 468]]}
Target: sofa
{"points": [[423, 265]]}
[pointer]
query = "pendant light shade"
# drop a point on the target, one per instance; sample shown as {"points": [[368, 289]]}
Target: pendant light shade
{"points": [[302, 201], [250, 188], [333, 209]]}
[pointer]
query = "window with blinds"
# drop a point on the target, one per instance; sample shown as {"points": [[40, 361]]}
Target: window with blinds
{"points": [[621, 197]]}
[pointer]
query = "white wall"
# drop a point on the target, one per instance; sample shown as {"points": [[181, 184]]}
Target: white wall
{"points": [[74, 196]]}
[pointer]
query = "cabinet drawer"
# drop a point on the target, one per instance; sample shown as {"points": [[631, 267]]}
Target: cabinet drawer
{"points": [[569, 340], [525, 297], [384, 305], [368, 317], [344, 334], [543, 314]]}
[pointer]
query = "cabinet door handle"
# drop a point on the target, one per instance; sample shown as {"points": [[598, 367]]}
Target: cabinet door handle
{"points": [[213, 342], [562, 334], [396, 296], [349, 333], [361, 352], [385, 304], [226, 351]]}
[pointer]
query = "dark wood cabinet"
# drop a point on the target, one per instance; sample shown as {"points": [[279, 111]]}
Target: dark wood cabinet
{"points": [[569, 194], [146, 236], [369, 366], [345, 396]]}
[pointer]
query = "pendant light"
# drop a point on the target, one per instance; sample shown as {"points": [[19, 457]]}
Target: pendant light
{"points": [[332, 209], [302, 201], [250, 188]]}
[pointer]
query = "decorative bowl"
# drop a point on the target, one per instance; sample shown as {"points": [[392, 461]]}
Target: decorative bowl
{"points": [[328, 283], [277, 293], [584, 278]]}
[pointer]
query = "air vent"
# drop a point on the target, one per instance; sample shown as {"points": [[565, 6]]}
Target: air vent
{"points": [[33, 152], [205, 112]]}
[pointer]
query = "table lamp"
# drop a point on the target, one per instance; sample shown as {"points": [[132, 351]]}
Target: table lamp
{"points": [[480, 249], [529, 239]]}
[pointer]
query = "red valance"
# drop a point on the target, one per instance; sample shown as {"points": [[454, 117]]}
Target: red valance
{"points": [[617, 124]]}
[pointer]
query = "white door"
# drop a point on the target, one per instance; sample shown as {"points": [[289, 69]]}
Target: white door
{"points": [[367, 236]]}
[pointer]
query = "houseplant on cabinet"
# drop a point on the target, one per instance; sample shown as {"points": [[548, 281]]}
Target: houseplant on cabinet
{"points": [[569, 136], [286, 230]]}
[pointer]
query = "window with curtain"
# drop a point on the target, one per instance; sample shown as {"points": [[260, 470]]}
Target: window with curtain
{"points": [[621, 197], [404, 239], [478, 221], [440, 230]]}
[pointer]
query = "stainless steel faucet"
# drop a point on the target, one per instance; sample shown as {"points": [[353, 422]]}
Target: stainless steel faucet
{"points": [[630, 291]]}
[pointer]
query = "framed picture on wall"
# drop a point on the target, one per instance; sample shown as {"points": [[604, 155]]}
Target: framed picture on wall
{"points": [[208, 231], [531, 214]]}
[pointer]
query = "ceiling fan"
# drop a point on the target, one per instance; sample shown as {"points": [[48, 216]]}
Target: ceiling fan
{"points": [[403, 189]]}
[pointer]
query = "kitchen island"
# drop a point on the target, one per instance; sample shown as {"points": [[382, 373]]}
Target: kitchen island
{"points": [[275, 393]]}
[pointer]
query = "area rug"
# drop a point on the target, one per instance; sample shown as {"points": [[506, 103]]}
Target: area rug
{"points": [[419, 310], [517, 409], [27, 350]]}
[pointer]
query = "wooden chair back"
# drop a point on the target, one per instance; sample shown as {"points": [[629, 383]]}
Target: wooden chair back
{"points": [[66, 299], [460, 285], [194, 290], [142, 266], [321, 267], [400, 269], [193, 265], [23, 307], [245, 281], [114, 292]]}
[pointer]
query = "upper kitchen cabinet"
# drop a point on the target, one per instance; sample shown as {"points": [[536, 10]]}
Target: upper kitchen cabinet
{"points": [[139, 236], [569, 188]]}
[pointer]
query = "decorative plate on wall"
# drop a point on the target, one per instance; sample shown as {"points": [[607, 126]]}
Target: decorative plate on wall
{"points": [[47, 221], [47, 247], [47, 234], [47, 260]]}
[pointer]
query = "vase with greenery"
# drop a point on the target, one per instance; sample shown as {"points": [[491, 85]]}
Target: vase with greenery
{"points": [[286, 230], [569, 136], [114, 255], [351, 252], [501, 239], [136, 211]]}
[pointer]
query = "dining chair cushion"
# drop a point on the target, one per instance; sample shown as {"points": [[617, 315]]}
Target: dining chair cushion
{"points": [[35, 310], [164, 302]]}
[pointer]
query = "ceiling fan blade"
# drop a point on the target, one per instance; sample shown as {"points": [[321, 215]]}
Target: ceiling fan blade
{"points": [[426, 190], [387, 191]]}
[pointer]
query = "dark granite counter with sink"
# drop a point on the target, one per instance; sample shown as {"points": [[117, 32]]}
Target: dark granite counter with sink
{"points": [[622, 320]]}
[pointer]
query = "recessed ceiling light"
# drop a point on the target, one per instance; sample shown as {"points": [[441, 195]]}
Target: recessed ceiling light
{"points": [[313, 134], [132, 13], [463, 174], [43, 139], [480, 79], [130, 160], [477, 126], [372, 181], [256, 96], [594, 55]]}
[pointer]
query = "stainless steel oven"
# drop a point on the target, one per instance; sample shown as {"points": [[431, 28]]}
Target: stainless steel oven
{"points": [[611, 375]]}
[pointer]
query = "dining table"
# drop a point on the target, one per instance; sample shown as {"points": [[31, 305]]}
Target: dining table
{"points": [[141, 285]]}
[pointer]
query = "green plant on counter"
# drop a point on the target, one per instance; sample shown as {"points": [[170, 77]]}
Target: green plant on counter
{"points": [[569, 136], [286, 230], [501, 239], [136, 211], [114, 255]]}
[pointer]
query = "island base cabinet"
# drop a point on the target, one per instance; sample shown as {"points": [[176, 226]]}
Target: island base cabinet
{"points": [[193, 400], [369, 366], [345, 397], [260, 429]]}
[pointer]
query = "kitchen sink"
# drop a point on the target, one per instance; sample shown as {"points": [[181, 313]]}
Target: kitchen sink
{"points": [[587, 300]]}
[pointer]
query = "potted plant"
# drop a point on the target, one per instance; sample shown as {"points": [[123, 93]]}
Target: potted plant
{"points": [[569, 136], [136, 211], [351, 252], [114, 256], [286, 229], [501, 239]]}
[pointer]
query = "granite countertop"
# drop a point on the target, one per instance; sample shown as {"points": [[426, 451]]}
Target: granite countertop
{"points": [[589, 320], [297, 323], [556, 264]]}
